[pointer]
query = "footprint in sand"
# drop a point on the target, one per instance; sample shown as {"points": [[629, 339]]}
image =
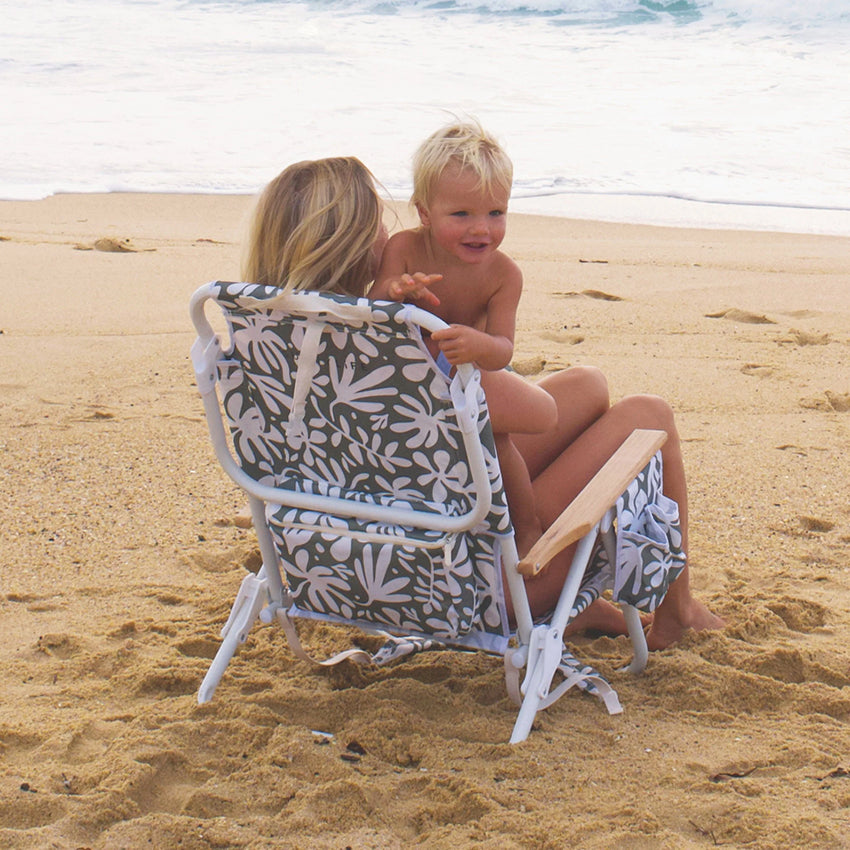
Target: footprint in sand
{"points": [[781, 664], [36, 604], [829, 401], [757, 370], [198, 647], [801, 338], [811, 523], [804, 526], [838, 401], [743, 316], [91, 742], [110, 245], [589, 293], [531, 366], [563, 337], [32, 810], [799, 615], [245, 556], [784, 664], [59, 645]]}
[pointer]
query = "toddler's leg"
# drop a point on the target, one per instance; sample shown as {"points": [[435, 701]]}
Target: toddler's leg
{"points": [[517, 406], [519, 493]]}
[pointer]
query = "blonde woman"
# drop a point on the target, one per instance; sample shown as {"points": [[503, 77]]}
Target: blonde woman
{"points": [[319, 226]]}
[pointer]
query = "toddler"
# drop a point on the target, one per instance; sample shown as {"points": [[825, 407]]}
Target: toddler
{"points": [[461, 185]]}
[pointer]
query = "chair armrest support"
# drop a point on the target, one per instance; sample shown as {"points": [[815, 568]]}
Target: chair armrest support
{"points": [[599, 494]]}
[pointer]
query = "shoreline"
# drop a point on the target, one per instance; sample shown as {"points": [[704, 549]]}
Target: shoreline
{"points": [[649, 209], [122, 559], [688, 213]]}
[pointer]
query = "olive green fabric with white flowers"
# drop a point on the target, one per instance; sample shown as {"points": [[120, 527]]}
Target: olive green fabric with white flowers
{"points": [[649, 551], [368, 418], [375, 424]]}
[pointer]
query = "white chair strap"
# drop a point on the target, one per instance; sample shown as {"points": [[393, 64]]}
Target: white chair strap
{"points": [[359, 656], [305, 373]]}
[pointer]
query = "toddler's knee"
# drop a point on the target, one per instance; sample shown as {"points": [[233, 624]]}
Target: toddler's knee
{"points": [[593, 386], [651, 411], [548, 414]]}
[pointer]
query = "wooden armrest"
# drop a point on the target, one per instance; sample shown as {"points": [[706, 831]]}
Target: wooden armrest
{"points": [[599, 494]]}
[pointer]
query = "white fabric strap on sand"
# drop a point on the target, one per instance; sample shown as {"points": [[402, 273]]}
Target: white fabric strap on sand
{"points": [[359, 656], [587, 679], [574, 673], [395, 647]]}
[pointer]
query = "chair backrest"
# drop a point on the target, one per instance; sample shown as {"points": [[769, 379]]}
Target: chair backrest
{"points": [[382, 489]]}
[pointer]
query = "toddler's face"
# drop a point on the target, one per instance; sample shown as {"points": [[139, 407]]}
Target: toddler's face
{"points": [[465, 221]]}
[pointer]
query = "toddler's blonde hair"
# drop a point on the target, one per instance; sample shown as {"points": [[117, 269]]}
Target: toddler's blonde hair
{"points": [[466, 145], [314, 227]]}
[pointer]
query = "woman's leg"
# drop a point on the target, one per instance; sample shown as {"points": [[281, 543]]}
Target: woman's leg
{"points": [[517, 406], [567, 474], [581, 397], [519, 493]]}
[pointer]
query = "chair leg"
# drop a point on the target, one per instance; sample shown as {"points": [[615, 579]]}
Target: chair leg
{"points": [[544, 655], [546, 643], [638, 638], [251, 599]]}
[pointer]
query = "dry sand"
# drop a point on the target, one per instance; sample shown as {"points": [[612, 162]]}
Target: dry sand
{"points": [[120, 560]]}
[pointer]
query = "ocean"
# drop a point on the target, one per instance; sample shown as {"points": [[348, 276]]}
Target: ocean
{"points": [[713, 113]]}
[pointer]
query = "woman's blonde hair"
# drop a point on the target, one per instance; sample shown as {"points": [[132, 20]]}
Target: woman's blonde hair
{"points": [[466, 145], [314, 227]]}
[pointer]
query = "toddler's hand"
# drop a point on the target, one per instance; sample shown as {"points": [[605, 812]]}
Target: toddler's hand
{"points": [[414, 287], [459, 343]]}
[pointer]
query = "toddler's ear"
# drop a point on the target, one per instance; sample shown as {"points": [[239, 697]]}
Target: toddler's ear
{"points": [[424, 215]]}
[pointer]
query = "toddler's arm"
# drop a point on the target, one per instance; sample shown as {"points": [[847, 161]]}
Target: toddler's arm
{"points": [[407, 287], [394, 283], [491, 348], [462, 344]]}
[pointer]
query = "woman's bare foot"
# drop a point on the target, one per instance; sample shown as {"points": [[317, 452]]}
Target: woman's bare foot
{"points": [[603, 616], [670, 624]]}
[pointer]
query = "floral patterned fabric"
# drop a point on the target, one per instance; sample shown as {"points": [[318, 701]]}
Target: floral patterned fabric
{"points": [[368, 417], [648, 546], [365, 417], [649, 541]]}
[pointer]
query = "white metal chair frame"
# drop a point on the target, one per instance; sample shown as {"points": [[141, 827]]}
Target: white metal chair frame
{"points": [[539, 647]]}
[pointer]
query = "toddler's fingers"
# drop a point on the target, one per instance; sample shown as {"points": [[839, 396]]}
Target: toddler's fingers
{"points": [[419, 284], [429, 297], [427, 279]]}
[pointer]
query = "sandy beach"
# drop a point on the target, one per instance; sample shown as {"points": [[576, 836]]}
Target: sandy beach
{"points": [[121, 559]]}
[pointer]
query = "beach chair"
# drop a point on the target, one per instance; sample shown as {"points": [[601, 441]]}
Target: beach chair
{"points": [[376, 495]]}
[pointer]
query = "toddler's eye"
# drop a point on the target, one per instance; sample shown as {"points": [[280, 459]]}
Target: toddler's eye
{"points": [[460, 213], [497, 213]]}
